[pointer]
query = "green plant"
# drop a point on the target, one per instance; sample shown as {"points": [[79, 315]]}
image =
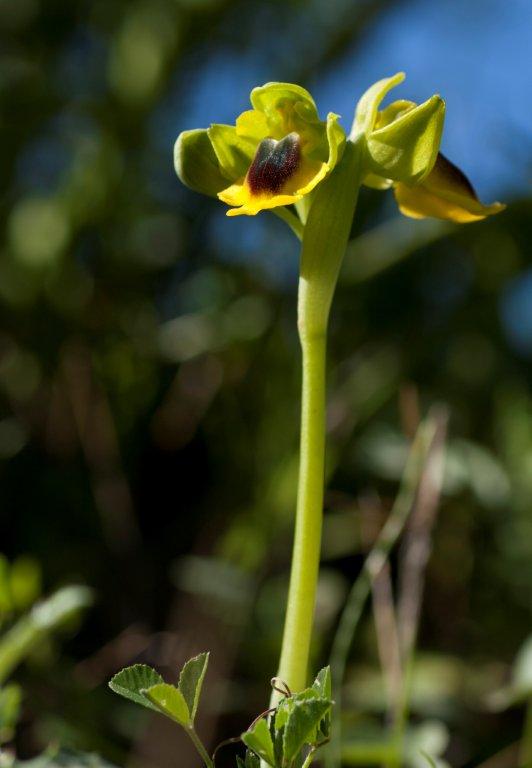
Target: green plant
{"points": [[280, 153], [26, 624], [282, 737], [281, 157]]}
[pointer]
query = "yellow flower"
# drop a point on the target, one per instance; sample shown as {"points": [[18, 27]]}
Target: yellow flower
{"points": [[446, 193], [275, 154], [279, 151], [402, 151]]}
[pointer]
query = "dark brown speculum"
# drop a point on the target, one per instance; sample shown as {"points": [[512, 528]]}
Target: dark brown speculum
{"points": [[274, 163]]}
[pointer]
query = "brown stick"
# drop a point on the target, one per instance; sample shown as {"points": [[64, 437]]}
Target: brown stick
{"points": [[417, 543], [387, 636]]}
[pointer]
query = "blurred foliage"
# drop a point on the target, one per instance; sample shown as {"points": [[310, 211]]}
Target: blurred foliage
{"points": [[149, 386], [28, 629]]}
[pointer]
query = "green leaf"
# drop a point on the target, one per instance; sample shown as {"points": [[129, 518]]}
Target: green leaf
{"points": [[284, 708], [61, 607], [302, 726], [196, 163], [10, 699], [520, 688], [258, 739], [44, 618], [6, 604], [251, 760], [406, 148], [522, 669], [169, 700], [53, 758], [191, 681], [322, 684], [286, 705], [428, 758], [430, 737], [277, 738], [132, 681], [26, 582]]}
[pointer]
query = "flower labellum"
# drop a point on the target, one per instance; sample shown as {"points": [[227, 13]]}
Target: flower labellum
{"points": [[446, 193], [274, 163]]}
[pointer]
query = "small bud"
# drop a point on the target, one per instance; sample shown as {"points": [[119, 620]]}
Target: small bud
{"points": [[196, 163]]}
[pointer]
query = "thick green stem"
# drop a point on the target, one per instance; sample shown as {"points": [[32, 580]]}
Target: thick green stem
{"points": [[307, 539], [325, 239]]}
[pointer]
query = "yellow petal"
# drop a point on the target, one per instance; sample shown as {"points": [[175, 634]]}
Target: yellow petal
{"points": [[252, 125], [446, 193], [254, 205]]}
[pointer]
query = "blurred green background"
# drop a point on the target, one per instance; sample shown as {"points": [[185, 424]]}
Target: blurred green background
{"points": [[149, 362]]}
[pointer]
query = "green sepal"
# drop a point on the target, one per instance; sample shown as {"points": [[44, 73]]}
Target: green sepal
{"points": [[191, 681], [368, 105], [259, 740], [270, 97], [169, 701], [406, 149], [336, 139], [233, 151], [131, 682], [196, 163], [289, 107]]}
